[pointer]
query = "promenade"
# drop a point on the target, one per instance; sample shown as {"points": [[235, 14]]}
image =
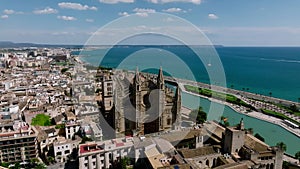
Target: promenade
{"points": [[239, 109], [232, 91]]}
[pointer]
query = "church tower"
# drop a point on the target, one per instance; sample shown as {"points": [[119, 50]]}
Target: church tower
{"points": [[176, 119], [137, 80], [161, 99], [241, 125], [160, 80], [139, 112], [234, 138]]}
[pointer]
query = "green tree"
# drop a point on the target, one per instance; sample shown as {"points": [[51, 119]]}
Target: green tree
{"points": [[199, 115], [41, 120], [50, 159], [63, 70], [121, 163], [285, 165], [250, 130], [85, 139], [226, 123], [4, 164], [259, 137], [40, 166], [294, 108], [224, 120], [281, 145], [34, 160], [124, 162], [297, 155], [60, 126]]}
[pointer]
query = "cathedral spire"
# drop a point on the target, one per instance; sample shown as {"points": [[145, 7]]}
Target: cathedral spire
{"points": [[137, 76], [160, 79], [241, 126], [178, 93], [137, 80]]}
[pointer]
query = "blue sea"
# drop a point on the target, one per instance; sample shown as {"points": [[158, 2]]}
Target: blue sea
{"points": [[268, 71]]}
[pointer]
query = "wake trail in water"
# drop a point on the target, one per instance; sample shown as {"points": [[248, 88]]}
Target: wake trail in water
{"points": [[281, 60]]}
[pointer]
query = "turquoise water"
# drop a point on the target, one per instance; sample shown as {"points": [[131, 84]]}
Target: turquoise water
{"points": [[264, 70], [271, 133], [259, 69]]}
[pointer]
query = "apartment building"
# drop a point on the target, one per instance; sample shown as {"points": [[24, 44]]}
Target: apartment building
{"points": [[101, 155], [18, 142]]}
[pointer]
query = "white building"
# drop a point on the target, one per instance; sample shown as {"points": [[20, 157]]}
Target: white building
{"points": [[99, 155], [71, 129], [63, 148]]}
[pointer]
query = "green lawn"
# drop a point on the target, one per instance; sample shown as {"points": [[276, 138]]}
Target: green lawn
{"points": [[217, 95], [279, 115], [289, 109]]}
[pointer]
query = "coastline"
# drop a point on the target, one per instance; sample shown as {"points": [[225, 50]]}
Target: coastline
{"points": [[254, 114]]}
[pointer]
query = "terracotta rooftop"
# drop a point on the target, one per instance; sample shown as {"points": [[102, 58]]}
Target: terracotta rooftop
{"points": [[181, 135], [85, 148], [191, 153], [176, 166], [255, 144]]}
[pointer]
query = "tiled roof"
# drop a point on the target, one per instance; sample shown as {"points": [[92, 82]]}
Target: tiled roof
{"points": [[191, 153]]}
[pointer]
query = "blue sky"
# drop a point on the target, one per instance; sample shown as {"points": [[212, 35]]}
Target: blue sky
{"points": [[225, 22]]}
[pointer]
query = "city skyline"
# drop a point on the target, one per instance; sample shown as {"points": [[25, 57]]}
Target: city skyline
{"points": [[229, 23]]}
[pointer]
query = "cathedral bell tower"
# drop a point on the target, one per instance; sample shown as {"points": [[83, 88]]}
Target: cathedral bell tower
{"points": [[160, 80]]}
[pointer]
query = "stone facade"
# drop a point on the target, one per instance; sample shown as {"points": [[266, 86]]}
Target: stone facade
{"points": [[156, 106]]}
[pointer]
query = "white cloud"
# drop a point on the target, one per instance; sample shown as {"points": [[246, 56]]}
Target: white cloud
{"points": [[76, 6], [116, 1], [19, 12], [47, 10], [8, 11], [67, 18], [144, 12], [123, 14], [93, 8], [168, 1], [212, 16], [89, 20], [4, 16], [169, 19], [173, 10]]}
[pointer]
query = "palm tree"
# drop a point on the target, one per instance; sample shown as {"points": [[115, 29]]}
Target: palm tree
{"points": [[281, 145], [297, 155], [259, 137], [225, 121], [250, 130]]}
